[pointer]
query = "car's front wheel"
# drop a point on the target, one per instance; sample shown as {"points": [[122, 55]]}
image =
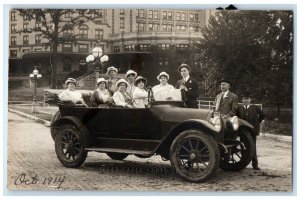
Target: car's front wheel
{"points": [[195, 155], [117, 156], [240, 153], [70, 146]]}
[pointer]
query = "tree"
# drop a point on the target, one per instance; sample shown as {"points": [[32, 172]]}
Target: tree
{"points": [[52, 27], [252, 49]]}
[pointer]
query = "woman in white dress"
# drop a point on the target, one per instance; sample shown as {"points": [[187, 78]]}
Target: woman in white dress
{"points": [[101, 97], [70, 94], [140, 95], [163, 91], [121, 97]]}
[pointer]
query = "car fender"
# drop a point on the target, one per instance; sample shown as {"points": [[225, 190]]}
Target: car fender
{"points": [[193, 124], [71, 120]]}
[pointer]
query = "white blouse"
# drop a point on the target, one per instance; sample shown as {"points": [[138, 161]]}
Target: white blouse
{"points": [[162, 92], [68, 95], [140, 97]]}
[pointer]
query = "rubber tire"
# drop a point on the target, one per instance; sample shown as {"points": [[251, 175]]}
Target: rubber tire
{"points": [[83, 141], [247, 140], [52, 130], [117, 156], [211, 145]]}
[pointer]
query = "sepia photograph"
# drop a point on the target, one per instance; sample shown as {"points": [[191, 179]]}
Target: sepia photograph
{"points": [[141, 99]]}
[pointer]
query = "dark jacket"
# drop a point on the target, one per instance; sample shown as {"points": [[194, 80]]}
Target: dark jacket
{"points": [[228, 105], [192, 94], [254, 115]]}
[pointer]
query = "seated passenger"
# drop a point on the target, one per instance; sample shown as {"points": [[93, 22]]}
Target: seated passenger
{"points": [[101, 97], [121, 97], [70, 94], [112, 80], [130, 76], [163, 91], [140, 95]]}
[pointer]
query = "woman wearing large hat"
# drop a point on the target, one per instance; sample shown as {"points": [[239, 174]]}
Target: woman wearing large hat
{"points": [[101, 96], [121, 97], [130, 76], [140, 95], [70, 94], [163, 91], [111, 81]]}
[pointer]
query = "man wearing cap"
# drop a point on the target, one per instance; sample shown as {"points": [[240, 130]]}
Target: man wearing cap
{"points": [[188, 86], [130, 76], [254, 115], [70, 94], [226, 102], [111, 81]]}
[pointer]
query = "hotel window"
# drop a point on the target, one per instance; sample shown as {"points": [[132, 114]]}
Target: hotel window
{"points": [[99, 34], [170, 17], [67, 47], [122, 11], [150, 27], [178, 27], [150, 14], [25, 18], [183, 27], [38, 50], [98, 13], [141, 26], [13, 16], [194, 28], [13, 28], [178, 16], [13, 40], [155, 27], [129, 47], [144, 47], [164, 27], [196, 17], [122, 22], [25, 39], [13, 53], [141, 13], [182, 46], [68, 15], [155, 14], [38, 25], [68, 33], [192, 17], [83, 48], [164, 46], [83, 32], [25, 50], [38, 39], [169, 27], [25, 27], [116, 49], [183, 16], [164, 15]]}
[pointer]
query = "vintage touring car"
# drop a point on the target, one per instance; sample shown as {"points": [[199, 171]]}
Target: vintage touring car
{"points": [[196, 141]]}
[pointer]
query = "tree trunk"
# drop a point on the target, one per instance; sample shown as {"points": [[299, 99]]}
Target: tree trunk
{"points": [[54, 55]]}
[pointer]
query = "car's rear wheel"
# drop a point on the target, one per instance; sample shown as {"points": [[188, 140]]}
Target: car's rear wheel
{"points": [[70, 146], [240, 153], [195, 155], [117, 156], [52, 130]]}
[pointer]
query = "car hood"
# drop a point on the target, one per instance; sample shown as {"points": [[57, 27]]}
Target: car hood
{"points": [[174, 113]]}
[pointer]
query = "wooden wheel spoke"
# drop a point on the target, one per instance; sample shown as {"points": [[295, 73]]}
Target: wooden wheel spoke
{"points": [[186, 149]]}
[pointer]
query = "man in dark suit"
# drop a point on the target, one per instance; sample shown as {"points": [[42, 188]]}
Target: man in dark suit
{"points": [[226, 102], [189, 86], [254, 115]]}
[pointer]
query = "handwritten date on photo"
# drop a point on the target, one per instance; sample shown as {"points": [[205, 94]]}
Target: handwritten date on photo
{"points": [[34, 179]]}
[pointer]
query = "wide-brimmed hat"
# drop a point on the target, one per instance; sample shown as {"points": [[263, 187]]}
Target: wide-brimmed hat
{"points": [[112, 68], [121, 81], [99, 80], [225, 81], [70, 80], [246, 94], [138, 79], [163, 74], [183, 65], [130, 72]]}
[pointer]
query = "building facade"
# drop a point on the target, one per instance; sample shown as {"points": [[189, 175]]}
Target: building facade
{"points": [[139, 39]]}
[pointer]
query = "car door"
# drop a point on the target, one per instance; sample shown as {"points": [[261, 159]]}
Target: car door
{"points": [[139, 123]]}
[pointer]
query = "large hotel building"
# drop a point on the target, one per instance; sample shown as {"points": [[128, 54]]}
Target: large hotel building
{"points": [[146, 40]]}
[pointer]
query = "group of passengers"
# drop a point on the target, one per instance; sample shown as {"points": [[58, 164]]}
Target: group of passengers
{"points": [[129, 92]]}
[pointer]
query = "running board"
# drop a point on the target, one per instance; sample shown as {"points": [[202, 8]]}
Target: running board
{"points": [[105, 150]]}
